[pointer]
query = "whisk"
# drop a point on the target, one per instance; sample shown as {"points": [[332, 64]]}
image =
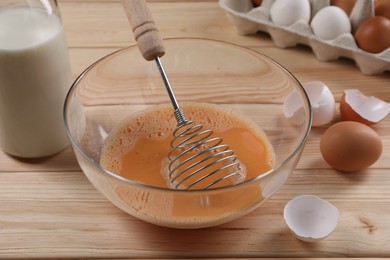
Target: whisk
{"points": [[198, 160]]}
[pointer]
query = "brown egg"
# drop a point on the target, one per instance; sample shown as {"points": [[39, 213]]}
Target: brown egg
{"points": [[382, 8], [350, 146], [346, 5], [256, 2], [373, 35]]}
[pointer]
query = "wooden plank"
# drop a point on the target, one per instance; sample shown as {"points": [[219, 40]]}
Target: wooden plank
{"points": [[60, 213], [63, 161], [301, 62], [339, 74], [49, 209], [104, 24], [82, 58]]}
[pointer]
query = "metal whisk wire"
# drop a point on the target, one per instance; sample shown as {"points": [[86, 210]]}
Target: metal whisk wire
{"points": [[194, 150], [195, 154]]}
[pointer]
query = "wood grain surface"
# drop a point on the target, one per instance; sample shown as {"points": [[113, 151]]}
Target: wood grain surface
{"points": [[48, 208]]}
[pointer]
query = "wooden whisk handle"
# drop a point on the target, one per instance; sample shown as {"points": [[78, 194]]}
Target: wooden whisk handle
{"points": [[145, 31]]}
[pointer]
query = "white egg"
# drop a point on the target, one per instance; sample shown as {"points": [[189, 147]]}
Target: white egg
{"points": [[330, 22], [310, 218], [322, 102], [287, 12]]}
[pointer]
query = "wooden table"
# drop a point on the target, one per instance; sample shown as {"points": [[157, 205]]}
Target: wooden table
{"points": [[48, 209]]}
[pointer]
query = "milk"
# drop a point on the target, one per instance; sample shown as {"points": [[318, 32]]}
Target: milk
{"points": [[34, 79]]}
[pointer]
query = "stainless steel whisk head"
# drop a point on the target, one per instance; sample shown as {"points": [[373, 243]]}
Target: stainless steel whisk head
{"points": [[197, 159]]}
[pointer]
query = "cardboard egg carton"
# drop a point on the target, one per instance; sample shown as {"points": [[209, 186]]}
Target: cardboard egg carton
{"points": [[249, 20]]}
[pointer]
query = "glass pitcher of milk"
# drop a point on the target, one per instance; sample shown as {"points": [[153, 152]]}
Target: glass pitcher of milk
{"points": [[35, 76]]}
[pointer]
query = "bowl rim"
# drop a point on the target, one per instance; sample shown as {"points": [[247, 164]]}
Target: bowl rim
{"points": [[115, 176]]}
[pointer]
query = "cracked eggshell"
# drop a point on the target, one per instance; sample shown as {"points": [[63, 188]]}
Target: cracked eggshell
{"points": [[322, 102], [355, 106], [293, 108], [310, 218]]}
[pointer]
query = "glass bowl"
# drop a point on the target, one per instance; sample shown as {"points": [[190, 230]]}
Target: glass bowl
{"points": [[200, 70]]}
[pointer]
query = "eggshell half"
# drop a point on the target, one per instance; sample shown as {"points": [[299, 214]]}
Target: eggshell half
{"points": [[322, 102], [355, 106], [310, 218], [293, 108]]}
